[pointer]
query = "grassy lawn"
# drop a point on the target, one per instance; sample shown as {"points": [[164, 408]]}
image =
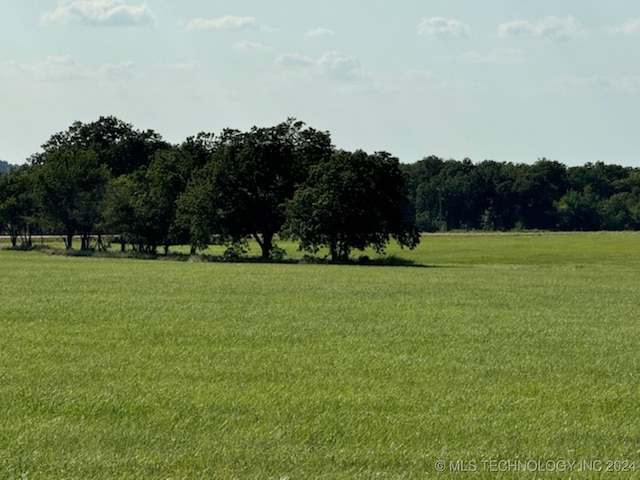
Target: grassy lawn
{"points": [[504, 347]]}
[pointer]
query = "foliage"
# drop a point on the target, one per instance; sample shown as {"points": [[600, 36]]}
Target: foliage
{"points": [[351, 202], [18, 210], [69, 183], [547, 195], [117, 145], [105, 177], [6, 167], [197, 211], [253, 175]]}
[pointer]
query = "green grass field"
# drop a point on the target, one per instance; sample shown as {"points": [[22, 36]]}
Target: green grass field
{"points": [[504, 347]]}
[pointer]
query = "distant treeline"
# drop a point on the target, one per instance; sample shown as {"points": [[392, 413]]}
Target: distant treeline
{"points": [[450, 194]]}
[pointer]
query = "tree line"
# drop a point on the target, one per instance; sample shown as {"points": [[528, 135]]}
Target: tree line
{"points": [[547, 195], [106, 178], [286, 181]]}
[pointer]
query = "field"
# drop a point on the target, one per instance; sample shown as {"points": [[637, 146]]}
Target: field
{"points": [[503, 356]]}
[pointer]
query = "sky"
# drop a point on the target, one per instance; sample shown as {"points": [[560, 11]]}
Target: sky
{"points": [[506, 80]]}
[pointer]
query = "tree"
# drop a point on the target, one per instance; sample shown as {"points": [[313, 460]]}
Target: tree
{"points": [[69, 183], [197, 208], [164, 181], [117, 145], [257, 172], [579, 211], [18, 214], [354, 201], [538, 188], [6, 167], [118, 210]]}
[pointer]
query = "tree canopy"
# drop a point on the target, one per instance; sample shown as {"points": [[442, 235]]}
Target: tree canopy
{"points": [[352, 201], [107, 178]]}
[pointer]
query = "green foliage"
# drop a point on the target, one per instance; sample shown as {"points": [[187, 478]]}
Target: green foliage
{"points": [[6, 167], [449, 195], [250, 178], [120, 148], [18, 207], [69, 184], [351, 202], [105, 177], [197, 209]]}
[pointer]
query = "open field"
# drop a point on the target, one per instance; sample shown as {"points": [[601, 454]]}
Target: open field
{"points": [[505, 347]]}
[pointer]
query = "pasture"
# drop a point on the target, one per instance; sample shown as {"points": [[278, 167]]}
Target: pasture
{"points": [[500, 348]]}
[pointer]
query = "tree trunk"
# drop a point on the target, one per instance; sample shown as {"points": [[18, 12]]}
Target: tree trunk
{"points": [[333, 250], [68, 241], [85, 242], [265, 243]]}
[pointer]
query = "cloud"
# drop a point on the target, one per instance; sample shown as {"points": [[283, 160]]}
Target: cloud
{"points": [[99, 13], [421, 75], [443, 28], [63, 68], [499, 56], [431, 81], [295, 60], [552, 28], [628, 84], [630, 27], [227, 22], [53, 68], [250, 47], [320, 32], [117, 71], [340, 65], [333, 64]]}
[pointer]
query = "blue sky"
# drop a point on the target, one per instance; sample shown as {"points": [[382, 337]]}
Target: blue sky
{"points": [[509, 80]]}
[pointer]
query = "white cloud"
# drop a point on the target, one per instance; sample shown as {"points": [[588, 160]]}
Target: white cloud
{"points": [[340, 65], [443, 28], [117, 71], [421, 75], [499, 56], [250, 47], [63, 68], [53, 68], [630, 27], [320, 32], [184, 66], [227, 22], [552, 28], [99, 12], [295, 60], [334, 64], [627, 84]]}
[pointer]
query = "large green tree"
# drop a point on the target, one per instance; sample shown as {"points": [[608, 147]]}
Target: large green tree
{"points": [[141, 207], [256, 172], [353, 201], [118, 146], [18, 210], [69, 183]]}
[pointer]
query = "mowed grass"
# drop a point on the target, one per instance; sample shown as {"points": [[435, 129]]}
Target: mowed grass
{"points": [[505, 347]]}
